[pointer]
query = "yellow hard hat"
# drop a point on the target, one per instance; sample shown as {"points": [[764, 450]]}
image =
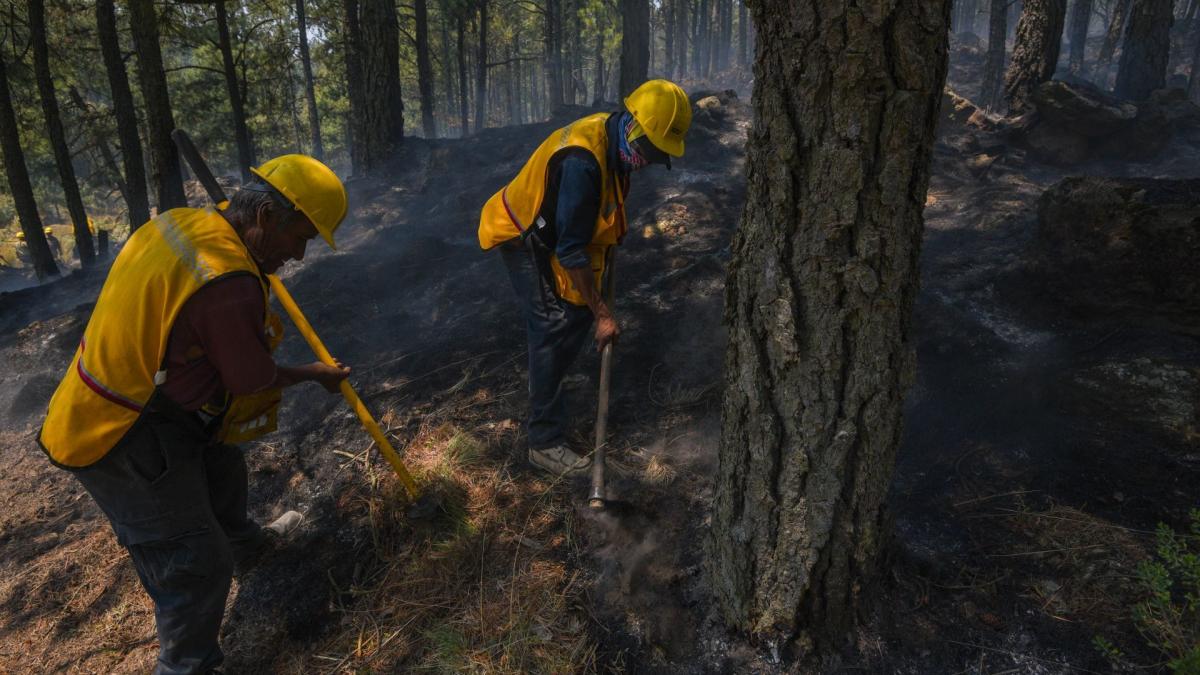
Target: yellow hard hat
{"points": [[662, 109], [47, 231], [21, 236], [312, 187]]}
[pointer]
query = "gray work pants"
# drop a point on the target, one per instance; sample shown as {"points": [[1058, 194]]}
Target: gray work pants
{"points": [[177, 503]]}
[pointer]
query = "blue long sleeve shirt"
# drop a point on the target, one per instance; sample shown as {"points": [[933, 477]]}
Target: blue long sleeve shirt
{"points": [[573, 197]]}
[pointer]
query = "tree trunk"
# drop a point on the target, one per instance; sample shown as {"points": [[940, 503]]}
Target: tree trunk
{"points": [[424, 70], [1081, 16], [726, 32], [681, 36], [125, 114], [598, 85], [355, 89], [552, 31], [669, 37], [1147, 48], [1112, 37], [1035, 55], [635, 44], [743, 35], [54, 129], [818, 305], [990, 93], [447, 70], [1194, 79], [381, 82], [165, 172], [310, 95], [481, 69], [241, 133], [18, 183], [99, 138], [464, 105]]}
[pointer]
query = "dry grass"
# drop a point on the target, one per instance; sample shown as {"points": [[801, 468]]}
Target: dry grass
{"points": [[484, 589]]}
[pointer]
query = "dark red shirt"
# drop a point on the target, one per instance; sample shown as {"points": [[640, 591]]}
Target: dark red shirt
{"points": [[218, 344]]}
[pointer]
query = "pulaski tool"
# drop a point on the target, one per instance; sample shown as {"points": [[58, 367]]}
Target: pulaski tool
{"points": [[423, 506]]}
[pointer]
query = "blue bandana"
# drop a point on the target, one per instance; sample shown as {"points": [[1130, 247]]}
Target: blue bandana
{"points": [[631, 159]]}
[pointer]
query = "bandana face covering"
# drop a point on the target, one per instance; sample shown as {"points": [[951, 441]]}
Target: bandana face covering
{"points": [[631, 158]]}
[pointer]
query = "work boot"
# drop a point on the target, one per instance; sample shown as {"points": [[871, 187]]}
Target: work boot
{"points": [[249, 554], [559, 460], [286, 525]]}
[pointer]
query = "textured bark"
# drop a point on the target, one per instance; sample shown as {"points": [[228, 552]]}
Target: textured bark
{"points": [[1081, 15], [56, 134], [635, 44], [1112, 37], [992, 88], [424, 69], [1147, 48], [818, 304], [310, 94], [1035, 55], [481, 69], [354, 85], [19, 185], [136, 199], [383, 104], [166, 175], [241, 132]]}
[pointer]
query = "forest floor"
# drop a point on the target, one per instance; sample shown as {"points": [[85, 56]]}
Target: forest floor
{"points": [[1041, 450]]}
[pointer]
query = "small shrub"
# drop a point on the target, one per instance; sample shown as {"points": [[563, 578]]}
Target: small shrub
{"points": [[1169, 617]]}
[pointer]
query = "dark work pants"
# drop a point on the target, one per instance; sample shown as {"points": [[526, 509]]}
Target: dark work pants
{"points": [[556, 330], [177, 503]]}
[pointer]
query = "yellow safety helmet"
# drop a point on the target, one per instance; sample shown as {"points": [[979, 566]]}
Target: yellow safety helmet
{"points": [[47, 231], [312, 187], [21, 235], [662, 109]]}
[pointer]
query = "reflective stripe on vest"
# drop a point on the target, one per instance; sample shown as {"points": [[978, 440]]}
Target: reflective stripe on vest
{"points": [[161, 265], [511, 209]]}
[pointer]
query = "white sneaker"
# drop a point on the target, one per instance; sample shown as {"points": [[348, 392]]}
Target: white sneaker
{"points": [[559, 460], [287, 524]]}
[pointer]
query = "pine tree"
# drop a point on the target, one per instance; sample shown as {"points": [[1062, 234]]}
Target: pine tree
{"points": [[1035, 55], [1147, 48], [241, 132], [166, 175], [310, 94]]}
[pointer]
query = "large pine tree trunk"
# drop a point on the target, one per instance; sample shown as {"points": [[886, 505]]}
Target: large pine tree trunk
{"points": [[125, 114], [481, 69], [1081, 16], [355, 90], [1112, 37], [241, 132], [424, 70], [384, 106], [992, 88], [56, 134], [310, 94], [818, 304], [1146, 50], [19, 185], [635, 44], [165, 172], [1035, 55]]}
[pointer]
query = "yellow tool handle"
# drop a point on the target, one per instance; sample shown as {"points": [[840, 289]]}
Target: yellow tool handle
{"points": [[364, 416]]}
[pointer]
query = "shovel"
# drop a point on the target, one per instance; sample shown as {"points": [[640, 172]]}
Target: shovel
{"points": [[599, 495]]}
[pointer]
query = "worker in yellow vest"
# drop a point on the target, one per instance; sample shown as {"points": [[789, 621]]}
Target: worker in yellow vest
{"points": [[175, 367], [556, 224]]}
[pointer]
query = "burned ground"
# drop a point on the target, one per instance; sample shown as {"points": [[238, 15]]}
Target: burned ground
{"points": [[1042, 446]]}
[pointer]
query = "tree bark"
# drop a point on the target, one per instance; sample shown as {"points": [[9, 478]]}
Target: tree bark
{"points": [[481, 69], [1147, 48], [384, 105], [1081, 16], [241, 132], [310, 94], [635, 44], [669, 37], [424, 70], [165, 172], [598, 85], [136, 199], [464, 105], [1112, 37], [56, 134], [18, 182], [991, 91], [1035, 55], [681, 37], [355, 89], [818, 304], [551, 37], [743, 35]]}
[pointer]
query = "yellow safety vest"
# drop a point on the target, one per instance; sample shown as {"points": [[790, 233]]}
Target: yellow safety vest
{"points": [[513, 209], [118, 362]]}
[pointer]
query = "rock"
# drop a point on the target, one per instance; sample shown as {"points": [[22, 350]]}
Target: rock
{"points": [[1109, 243]]}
